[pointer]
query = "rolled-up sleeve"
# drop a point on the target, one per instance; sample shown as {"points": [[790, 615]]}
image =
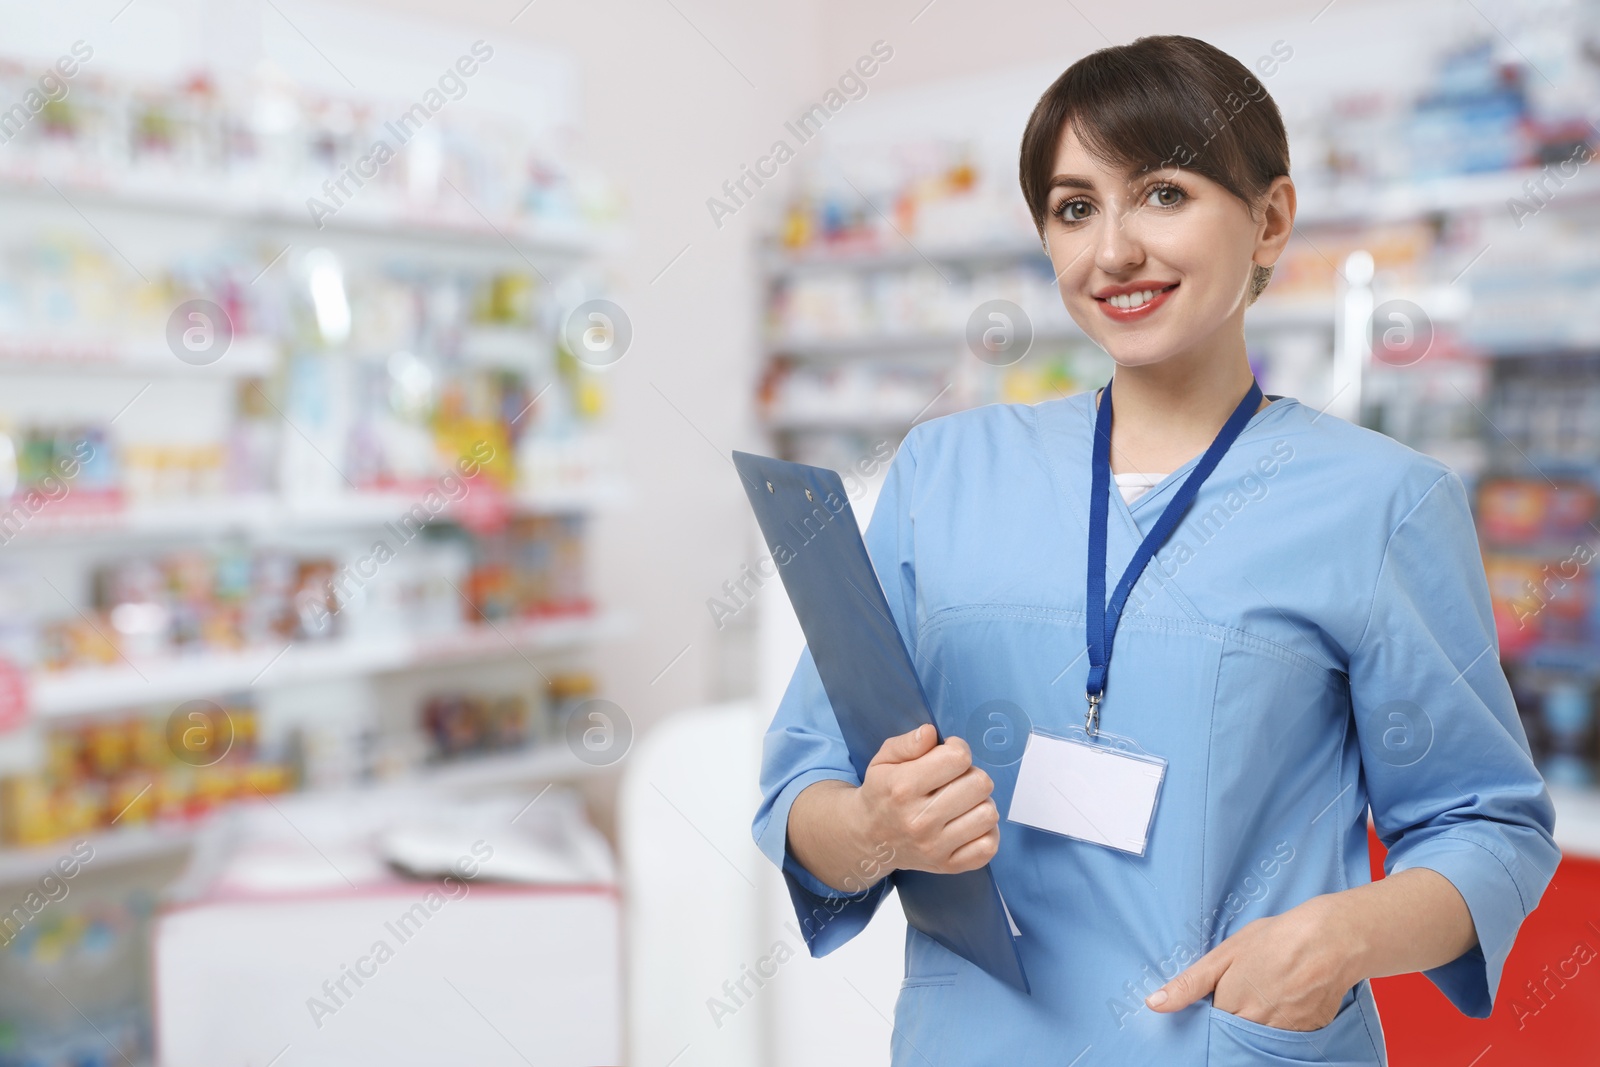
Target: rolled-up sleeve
{"points": [[804, 745], [1450, 779]]}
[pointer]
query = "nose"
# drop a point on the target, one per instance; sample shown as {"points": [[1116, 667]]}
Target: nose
{"points": [[1117, 248]]}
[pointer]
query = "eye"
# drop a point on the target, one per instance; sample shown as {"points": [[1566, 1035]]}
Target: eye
{"points": [[1165, 196], [1073, 209]]}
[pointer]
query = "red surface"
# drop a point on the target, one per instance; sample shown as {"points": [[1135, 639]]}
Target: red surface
{"points": [[1546, 1009]]}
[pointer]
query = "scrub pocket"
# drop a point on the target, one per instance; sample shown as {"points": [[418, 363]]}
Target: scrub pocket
{"points": [[921, 1020], [1344, 1042], [928, 979]]}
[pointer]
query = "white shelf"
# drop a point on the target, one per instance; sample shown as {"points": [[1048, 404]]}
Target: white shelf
{"points": [[847, 420], [111, 847], [61, 354], [551, 761], [593, 496], [266, 205], [1577, 821], [784, 264], [506, 346], [1453, 193], [1293, 314], [176, 678], [267, 513], [873, 344]]}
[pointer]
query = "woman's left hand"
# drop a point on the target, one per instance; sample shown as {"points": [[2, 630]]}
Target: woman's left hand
{"points": [[1289, 971]]}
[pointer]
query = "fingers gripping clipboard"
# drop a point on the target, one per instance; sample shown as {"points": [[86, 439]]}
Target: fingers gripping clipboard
{"points": [[806, 520]]}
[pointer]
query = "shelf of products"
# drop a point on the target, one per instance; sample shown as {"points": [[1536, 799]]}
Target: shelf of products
{"points": [[89, 689], [22, 354], [136, 783], [411, 399], [264, 513], [170, 623], [250, 204], [240, 149], [130, 771], [1538, 509]]}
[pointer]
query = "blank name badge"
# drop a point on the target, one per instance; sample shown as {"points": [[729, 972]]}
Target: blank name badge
{"points": [[1102, 791]]}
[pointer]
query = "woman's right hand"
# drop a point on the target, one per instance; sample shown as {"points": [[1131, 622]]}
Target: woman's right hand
{"points": [[930, 804]]}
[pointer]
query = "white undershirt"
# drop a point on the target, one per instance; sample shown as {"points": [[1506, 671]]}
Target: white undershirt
{"points": [[1134, 486]]}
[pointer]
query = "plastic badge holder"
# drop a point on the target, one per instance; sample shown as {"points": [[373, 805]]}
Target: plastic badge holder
{"points": [[1113, 788]]}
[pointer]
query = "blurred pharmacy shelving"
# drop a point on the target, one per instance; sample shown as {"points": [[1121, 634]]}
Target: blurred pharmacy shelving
{"points": [[217, 405], [82, 690], [166, 839], [388, 334], [264, 513], [1439, 288], [455, 225]]}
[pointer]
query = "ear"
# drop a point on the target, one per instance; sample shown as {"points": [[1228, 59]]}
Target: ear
{"points": [[1277, 223]]}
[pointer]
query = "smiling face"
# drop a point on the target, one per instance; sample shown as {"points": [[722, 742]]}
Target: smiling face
{"points": [[1153, 266]]}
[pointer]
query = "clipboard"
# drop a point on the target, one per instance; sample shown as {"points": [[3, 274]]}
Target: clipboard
{"points": [[811, 530]]}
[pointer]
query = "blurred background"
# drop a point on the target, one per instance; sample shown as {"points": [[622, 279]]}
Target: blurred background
{"points": [[385, 641]]}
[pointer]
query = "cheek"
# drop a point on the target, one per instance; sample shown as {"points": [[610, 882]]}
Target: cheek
{"points": [[1207, 260], [1214, 250], [1070, 259]]}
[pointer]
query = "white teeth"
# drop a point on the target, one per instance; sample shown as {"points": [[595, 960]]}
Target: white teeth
{"points": [[1133, 300]]}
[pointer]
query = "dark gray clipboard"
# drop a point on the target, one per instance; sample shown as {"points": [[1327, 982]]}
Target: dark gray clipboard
{"points": [[811, 530]]}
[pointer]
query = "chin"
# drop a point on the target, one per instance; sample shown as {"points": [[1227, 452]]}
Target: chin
{"points": [[1156, 342], [1132, 351]]}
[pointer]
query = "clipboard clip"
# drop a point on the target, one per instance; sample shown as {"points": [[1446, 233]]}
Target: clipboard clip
{"points": [[1091, 718]]}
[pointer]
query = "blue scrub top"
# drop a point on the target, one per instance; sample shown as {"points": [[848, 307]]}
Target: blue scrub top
{"points": [[1315, 638]]}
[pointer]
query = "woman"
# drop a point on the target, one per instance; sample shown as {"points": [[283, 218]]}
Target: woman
{"points": [[1312, 638]]}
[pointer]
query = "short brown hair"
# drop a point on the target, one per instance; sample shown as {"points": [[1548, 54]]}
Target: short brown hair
{"points": [[1160, 102]]}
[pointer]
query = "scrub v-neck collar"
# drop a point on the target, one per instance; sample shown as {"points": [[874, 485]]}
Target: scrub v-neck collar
{"points": [[1175, 478], [1064, 431]]}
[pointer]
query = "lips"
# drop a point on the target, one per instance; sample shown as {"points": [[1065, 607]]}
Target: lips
{"points": [[1124, 304]]}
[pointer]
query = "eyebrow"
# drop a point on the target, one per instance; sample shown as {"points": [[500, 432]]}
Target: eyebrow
{"points": [[1071, 181]]}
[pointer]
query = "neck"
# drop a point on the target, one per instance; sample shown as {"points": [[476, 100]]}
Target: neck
{"points": [[1169, 412]]}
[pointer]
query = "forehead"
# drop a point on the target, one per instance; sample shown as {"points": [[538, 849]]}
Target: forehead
{"points": [[1074, 159]]}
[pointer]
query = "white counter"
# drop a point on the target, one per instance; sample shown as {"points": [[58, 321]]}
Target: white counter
{"points": [[1577, 821]]}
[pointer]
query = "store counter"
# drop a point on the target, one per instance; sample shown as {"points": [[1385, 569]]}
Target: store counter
{"points": [[504, 930]]}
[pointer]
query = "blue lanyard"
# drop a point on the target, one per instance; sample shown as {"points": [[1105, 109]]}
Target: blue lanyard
{"points": [[1100, 618]]}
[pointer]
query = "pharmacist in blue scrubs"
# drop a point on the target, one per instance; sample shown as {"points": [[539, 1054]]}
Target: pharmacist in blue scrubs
{"points": [[1166, 710]]}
